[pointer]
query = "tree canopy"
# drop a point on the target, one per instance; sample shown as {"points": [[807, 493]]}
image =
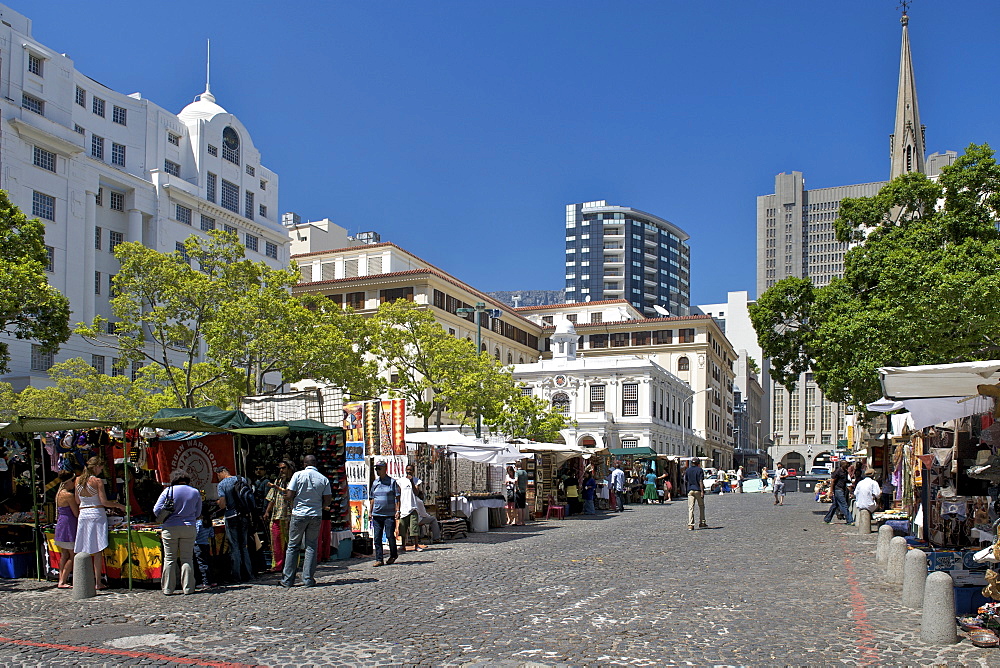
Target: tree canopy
{"points": [[920, 286], [30, 308]]}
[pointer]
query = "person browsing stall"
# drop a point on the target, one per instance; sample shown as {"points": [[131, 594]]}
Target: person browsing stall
{"points": [[385, 496], [310, 494]]}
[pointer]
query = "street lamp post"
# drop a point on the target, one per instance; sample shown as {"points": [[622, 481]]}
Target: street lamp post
{"points": [[684, 431], [478, 309]]}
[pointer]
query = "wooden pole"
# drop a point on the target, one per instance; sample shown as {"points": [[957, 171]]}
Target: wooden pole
{"points": [[36, 531]]}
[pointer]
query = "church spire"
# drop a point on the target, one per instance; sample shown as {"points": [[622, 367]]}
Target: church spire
{"points": [[907, 141]]}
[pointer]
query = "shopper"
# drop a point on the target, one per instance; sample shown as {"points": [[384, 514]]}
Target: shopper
{"points": [[589, 492], [238, 523], [179, 531], [67, 511], [840, 482], [694, 484], [277, 515], [202, 550], [866, 492], [510, 487], [888, 492], [92, 524], [385, 509], [649, 495], [310, 494], [409, 519], [780, 473], [616, 479], [521, 501]]}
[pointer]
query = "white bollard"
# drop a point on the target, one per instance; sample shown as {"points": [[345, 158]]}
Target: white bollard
{"points": [[914, 578], [83, 577], [894, 566], [864, 523], [882, 548], [937, 624]]}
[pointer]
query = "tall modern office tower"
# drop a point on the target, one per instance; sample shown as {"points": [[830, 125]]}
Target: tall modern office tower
{"points": [[795, 237], [617, 252]]}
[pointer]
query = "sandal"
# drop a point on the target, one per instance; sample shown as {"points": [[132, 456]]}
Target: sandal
{"points": [[64, 586], [419, 549]]}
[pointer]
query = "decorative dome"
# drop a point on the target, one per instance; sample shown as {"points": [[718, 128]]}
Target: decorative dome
{"points": [[204, 107], [565, 327]]}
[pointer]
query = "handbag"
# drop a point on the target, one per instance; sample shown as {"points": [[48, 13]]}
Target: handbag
{"points": [[168, 507]]}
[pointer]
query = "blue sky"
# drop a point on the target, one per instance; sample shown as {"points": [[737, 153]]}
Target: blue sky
{"points": [[460, 129]]}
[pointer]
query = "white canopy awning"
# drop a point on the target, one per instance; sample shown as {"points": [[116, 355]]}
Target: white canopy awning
{"points": [[440, 438], [935, 393]]}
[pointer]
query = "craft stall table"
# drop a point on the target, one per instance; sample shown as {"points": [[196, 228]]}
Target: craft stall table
{"points": [[146, 558], [476, 509]]}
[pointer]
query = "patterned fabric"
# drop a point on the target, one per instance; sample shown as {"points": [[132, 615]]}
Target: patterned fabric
{"points": [[282, 509]]}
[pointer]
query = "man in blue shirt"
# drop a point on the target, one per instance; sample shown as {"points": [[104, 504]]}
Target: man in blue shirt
{"points": [[237, 525], [309, 493], [694, 484], [617, 483], [385, 496]]}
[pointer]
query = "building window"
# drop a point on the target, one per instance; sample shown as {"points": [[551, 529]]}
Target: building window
{"points": [[510, 358], [43, 206], [213, 150], [171, 168], [560, 403], [355, 300], [136, 366], [630, 443], [230, 196], [97, 147], [395, 294], [596, 398], [598, 340], [207, 223], [33, 104], [619, 340], [271, 250], [630, 399], [117, 201], [98, 233], [231, 146], [114, 238], [572, 318], [40, 360], [663, 336], [118, 154], [640, 338], [174, 139], [119, 115], [683, 364], [116, 367], [98, 106], [99, 197], [229, 228], [50, 259], [251, 242], [79, 129], [210, 184], [180, 248], [262, 210], [35, 64], [596, 317], [45, 159], [685, 335], [527, 392], [248, 205], [97, 282], [183, 214], [263, 184], [251, 171], [97, 361]]}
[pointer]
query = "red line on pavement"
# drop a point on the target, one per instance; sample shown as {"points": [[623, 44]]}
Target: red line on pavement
{"points": [[866, 632], [124, 652]]}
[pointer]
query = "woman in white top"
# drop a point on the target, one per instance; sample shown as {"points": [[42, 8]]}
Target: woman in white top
{"points": [[92, 525], [510, 489]]}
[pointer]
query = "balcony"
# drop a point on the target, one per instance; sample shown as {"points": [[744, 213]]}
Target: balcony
{"points": [[613, 260], [614, 245]]}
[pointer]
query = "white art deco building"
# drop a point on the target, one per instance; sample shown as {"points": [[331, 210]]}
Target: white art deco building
{"points": [[99, 167]]}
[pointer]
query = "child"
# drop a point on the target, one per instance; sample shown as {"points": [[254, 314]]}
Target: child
{"points": [[201, 551]]}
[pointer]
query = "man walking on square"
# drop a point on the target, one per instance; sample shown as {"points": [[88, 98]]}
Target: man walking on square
{"points": [[238, 523], [309, 493], [694, 483], [617, 481]]}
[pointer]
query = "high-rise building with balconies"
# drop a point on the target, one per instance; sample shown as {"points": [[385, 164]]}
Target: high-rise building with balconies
{"points": [[617, 252]]}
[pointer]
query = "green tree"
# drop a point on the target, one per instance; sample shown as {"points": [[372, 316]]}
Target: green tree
{"points": [[30, 308], [919, 288], [213, 324], [79, 391]]}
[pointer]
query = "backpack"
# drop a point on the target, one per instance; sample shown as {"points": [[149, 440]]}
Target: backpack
{"points": [[244, 502]]}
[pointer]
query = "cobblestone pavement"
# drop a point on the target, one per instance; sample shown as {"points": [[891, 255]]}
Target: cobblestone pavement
{"points": [[763, 586]]}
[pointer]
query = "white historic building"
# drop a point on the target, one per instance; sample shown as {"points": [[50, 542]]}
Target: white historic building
{"points": [[99, 167], [619, 401]]}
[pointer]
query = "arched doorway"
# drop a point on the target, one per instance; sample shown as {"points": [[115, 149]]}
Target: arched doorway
{"points": [[587, 441], [794, 460]]}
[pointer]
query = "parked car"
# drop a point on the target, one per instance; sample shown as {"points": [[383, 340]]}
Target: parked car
{"points": [[793, 472], [712, 485], [819, 470]]}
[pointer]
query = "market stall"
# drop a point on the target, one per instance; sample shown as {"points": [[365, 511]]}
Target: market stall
{"points": [[554, 469]]}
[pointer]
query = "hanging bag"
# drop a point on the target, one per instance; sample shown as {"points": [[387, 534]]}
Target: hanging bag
{"points": [[168, 507]]}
